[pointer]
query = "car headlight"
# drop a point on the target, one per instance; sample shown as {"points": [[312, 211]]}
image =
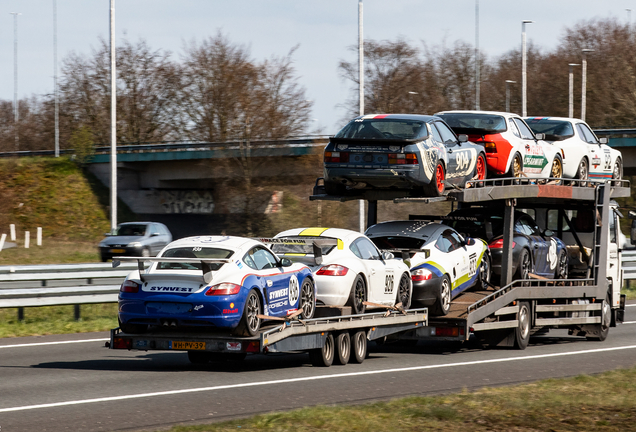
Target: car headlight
{"points": [[103, 244], [134, 244]]}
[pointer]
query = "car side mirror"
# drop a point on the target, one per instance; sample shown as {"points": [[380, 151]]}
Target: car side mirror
{"points": [[154, 234], [387, 256], [285, 262], [603, 140], [462, 138], [548, 233], [539, 136], [108, 234]]}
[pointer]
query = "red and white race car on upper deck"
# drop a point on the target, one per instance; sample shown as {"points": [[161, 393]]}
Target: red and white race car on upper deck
{"points": [[512, 149], [585, 155]]}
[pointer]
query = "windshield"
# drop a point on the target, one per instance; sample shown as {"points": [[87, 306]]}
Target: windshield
{"points": [[307, 249], [486, 227], [469, 123], [193, 252], [391, 242], [554, 130], [131, 230], [383, 129]]}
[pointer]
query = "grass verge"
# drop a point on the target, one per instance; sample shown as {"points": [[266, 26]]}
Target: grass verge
{"points": [[593, 403], [52, 252], [57, 320]]}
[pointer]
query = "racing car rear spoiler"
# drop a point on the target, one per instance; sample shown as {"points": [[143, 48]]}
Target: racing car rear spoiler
{"points": [[205, 263], [405, 253], [447, 218], [317, 244]]}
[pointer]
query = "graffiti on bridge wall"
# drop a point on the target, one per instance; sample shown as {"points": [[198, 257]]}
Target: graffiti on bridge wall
{"points": [[195, 202]]}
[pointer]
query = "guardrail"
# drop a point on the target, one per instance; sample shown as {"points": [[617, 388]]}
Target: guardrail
{"points": [[628, 261], [60, 284]]}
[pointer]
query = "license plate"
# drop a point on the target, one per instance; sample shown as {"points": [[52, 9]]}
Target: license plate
{"points": [[118, 250], [179, 345]]}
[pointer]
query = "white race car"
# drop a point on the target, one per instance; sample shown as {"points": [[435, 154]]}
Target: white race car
{"points": [[348, 268], [585, 155]]}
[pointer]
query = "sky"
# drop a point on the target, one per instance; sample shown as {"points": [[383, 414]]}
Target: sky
{"points": [[324, 31]]}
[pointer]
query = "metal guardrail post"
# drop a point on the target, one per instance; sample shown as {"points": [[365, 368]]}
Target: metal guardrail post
{"points": [[21, 314], [77, 312]]}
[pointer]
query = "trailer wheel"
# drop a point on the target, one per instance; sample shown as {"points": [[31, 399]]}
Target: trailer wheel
{"points": [[602, 329], [343, 348], [359, 346], [522, 332], [324, 356], [198, 357]]}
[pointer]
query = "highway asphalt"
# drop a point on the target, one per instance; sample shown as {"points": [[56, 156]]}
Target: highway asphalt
{"points": [[72, 382]]}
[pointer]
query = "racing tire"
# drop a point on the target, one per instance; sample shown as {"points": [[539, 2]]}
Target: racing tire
{"points": [[405, 292], [359, 347], [617, 172], [145, 252], [133, 328], [582, 172], [358, 296], [198, 357], [485, 271], [522, 332], [602, 329], [442, 304], [250, 323], [307, 299], [333, 188], [557, 169], [561, 271], [481, 168], [437, 185], [523, 268], [343, 349], [323, 357], [516, 166]]}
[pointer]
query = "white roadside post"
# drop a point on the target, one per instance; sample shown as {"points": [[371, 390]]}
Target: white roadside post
{"points": [[39, 236], [2, 239], [12, 232], [360, 95], [524, 83], [571, 90], [27, 239]]}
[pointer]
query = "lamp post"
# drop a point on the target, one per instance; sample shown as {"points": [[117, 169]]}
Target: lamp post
{"points": [[361, 91], [477, 78], [508, 82], [113, 122], [524, 111], [571, 90], [15, 78], [55, 90], [584, 85]]}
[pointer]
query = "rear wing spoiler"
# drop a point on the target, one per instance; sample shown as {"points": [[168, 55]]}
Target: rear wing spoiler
{"points": [[205, 263], [405, 253], [443, 218], [317, 244]]}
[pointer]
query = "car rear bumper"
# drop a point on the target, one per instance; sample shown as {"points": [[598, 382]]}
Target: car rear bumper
{"points": [[426, 293], [401, 178]]}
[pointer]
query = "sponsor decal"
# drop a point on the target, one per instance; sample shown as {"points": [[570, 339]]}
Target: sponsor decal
{"points": [[169, 289], [196, 308], [596, 161], [233, 346], [273, 295], [552, 254], [238, 264], [230, 311], [291, 311], [277, 305]]}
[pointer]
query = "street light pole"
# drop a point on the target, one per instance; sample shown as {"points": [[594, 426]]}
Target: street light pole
{"points": [[361, 92], [584, 85], [55, 91], [477, 78], [571, 90], [113, 121], [524, 111], [15, 79], [508, 82]]}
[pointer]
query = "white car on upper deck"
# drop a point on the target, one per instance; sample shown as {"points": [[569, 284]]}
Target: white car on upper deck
{"points": [[584, 155]]}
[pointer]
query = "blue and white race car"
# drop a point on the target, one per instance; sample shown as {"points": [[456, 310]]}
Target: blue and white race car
{"points": [[215, 282]]}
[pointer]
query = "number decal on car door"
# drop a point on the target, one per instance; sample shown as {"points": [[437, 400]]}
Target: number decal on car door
{"points": [[472, 265], [388, 284]]}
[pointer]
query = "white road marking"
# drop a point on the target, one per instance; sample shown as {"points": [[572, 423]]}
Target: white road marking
{"points": [[54, 343], [631, 305], [314, 378], [629, 322]]}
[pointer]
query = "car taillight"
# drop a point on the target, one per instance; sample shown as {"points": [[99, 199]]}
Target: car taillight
{"points": [[122, 343], [490, 147], [129, 287], [336, 157], [402, 159], [498, 244], [445, 331], [223, 289], [332, 270], [421, 275]]}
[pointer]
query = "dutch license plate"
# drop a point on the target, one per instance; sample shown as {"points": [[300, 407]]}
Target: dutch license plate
{"points": [[179, 345], [118, 250]]}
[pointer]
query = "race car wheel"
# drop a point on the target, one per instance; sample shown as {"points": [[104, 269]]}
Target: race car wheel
{"points": [[557, 168], [333, 188], [480, 168], [358, 296], [359, 345], [343, 348], [484, 272], [522, 332], [437, 184], [307, 299], [516, 166], [617, 172], [442, 305], [250, 322], [582, 172], [404, 292], [561, 271], [324, 356], [523, 268]]}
